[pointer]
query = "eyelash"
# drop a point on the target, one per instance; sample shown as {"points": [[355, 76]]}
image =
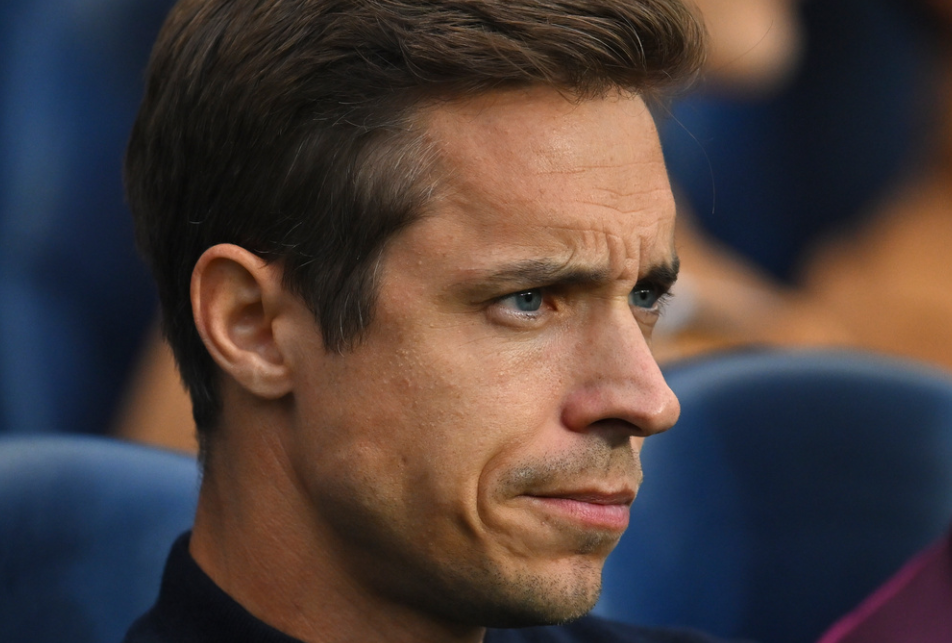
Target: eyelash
{"points": [[540, 292], [662, 297], [664, 300]]}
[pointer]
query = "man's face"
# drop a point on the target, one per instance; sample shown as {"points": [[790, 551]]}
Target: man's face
{"points": [[474, 457]]}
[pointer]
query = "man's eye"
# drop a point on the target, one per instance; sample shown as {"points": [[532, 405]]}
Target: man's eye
{"points": [[646, 298], [527, 301]]}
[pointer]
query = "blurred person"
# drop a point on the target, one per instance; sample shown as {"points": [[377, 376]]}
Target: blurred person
{"points": [[889, 278], [914, 605], [723, 298], [410, 256], [767, 178], [755, 45]]}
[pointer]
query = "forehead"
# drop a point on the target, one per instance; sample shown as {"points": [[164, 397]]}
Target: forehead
{"points": [[537, 167]]}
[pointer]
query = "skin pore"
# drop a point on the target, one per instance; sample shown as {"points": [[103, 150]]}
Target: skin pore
{"points": [[471, 461]]}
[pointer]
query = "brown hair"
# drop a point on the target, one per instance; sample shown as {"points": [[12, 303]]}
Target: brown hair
{"points": [[285, 127]]}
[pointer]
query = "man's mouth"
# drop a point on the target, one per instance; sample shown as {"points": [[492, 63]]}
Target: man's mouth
{"points": [[598, 510]]}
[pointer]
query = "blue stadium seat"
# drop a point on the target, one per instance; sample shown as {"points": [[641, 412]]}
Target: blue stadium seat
{"points": [[793, 485], [85, 526]]}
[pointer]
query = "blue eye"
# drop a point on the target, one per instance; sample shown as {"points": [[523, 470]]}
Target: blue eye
{"points": [[527, 301], [646, 298]]}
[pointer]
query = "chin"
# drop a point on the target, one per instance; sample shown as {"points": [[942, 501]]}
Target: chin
{"points": [[525, 598], [535, 614], [540, 602]]}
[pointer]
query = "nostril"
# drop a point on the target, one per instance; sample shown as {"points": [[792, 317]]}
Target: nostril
{"points": [[635, 407], [616, 430]]}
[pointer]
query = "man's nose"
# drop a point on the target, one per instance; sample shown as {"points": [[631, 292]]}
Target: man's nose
{"points": [[619, 383]]}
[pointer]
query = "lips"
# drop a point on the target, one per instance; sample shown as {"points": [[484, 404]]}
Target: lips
{"points": [[622, 497], [592, 509]]}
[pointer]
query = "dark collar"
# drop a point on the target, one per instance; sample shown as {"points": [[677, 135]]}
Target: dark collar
{"points": [[192, 609]]}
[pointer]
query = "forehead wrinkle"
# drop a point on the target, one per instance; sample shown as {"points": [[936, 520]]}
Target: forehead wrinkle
{"points": [[625, 171], [622, 244], [544, 271], [597, 257], [670, 263], [484, 175], [599, 188], [549, 166], [641, 193]]}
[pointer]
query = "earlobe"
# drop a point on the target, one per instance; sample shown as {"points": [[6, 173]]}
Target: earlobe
{"points": [[236, 298]]}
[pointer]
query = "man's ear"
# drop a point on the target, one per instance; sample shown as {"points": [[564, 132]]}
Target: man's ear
{"points": [[236, 298]]}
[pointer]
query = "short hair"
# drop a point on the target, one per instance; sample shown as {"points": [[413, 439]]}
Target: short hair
{"points": [[286, 127]]}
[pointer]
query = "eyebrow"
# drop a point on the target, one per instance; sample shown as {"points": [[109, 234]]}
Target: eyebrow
{"points": [[663, 274], [542, 273]]}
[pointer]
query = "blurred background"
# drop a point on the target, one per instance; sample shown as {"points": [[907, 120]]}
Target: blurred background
{"points": [[812, 166], [814, 181], [75, 299]]}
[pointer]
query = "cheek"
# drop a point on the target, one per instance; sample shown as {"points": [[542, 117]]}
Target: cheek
{"points": [[499, 391], [474, 403], [464, 414], [413, 437]]}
